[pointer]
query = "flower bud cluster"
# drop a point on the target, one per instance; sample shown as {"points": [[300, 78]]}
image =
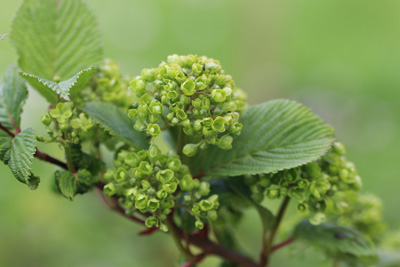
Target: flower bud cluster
{"points": [[191, 92], [108, 85], [149, 181], [64, 118], [313, 185]]}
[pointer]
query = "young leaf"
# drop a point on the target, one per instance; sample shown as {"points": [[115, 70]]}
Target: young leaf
{"points": [[337, 240], [65, 89], [276, 135], [18, 154], [117, 122], [67, 184], [55, 39], [13, 94]]}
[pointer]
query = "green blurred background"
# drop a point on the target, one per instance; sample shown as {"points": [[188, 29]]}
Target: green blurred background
{"points": [[340, 57]]}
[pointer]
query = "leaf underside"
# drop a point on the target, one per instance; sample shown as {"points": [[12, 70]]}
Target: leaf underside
{"points": [[13, 94], [276, 135], [117, 122], [55, 38]]}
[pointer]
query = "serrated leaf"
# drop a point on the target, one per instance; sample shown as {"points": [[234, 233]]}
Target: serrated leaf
{"points": [[266, 216], [65, 89], [13, 94], [276, 135], [117, 122], [67, 185], [18, 153], [55, 38], [337, 240]]}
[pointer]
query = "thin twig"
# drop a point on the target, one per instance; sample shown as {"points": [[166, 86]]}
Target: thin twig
{"points": [[282, 244], [7, 131]]}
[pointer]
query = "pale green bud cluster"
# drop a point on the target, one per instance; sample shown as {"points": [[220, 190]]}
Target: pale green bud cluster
{"points": [[362, 211], [313, 185], [149, 182], [191, 92], [64, 119], [108, 85]]}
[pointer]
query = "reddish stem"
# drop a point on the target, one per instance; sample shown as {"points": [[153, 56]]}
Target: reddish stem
{"points": [[7, 131], [282, 244]]}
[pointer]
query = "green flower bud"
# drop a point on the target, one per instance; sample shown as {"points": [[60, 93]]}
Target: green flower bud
{"points": [[180, 77], [109, 189], [190, 149], [339, 148], [148, 75], [170, 187], [46, 120], [141, 202], [202, 82], [298, 192], [164, 227], [132, 160], [204, 189], [272, 192], [186, 183], [317, 218], [167, 203], [109, 174], [205, 104], [138, 86], [120, 175], [180, 114], [235, 128], [145, 168], [142, 154], [199, 224], [302, 207], [174, 164], [151, 221], [131, 192], [206, 205], [196, 210], [188, 130], [212, 215], [219, 124], [145, 184], [197, 125], [153, 129], [156, 108], [153, 204], [220, 80], [197, 68], [218, 95], [62, 112], [165, 176], [225, 142], [161, 194], [313, 170], [188, 87]]}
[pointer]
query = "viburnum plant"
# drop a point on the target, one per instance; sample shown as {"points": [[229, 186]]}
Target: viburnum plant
{"points": [[220, 157]]}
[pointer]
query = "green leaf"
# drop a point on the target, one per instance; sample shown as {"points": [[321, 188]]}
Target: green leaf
{"points": [[13, 94], [18, 153], [117, 122], [55, 39], [266, 216], [67, 184], [276, 135], [339, 241], [65, 89]]}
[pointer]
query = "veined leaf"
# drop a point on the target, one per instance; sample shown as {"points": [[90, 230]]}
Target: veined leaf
{"points": [[117, 122], [55, 39], [67, 184], [18, 154], [276, 135], [65, 89], [13, 94], [337, 240]]}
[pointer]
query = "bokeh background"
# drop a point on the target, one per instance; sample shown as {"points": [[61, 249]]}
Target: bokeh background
{"points": [[340, 57]]}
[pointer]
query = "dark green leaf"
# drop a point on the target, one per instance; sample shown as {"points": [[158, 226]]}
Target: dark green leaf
{"points": [[65, 89], [117, 122], [18, 154], [338, 241], [13, 94], [55, 39], [67, 185], [276, 135]]}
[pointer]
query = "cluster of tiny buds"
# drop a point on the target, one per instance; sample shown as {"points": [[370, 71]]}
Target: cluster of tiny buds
{"points": [[193, 93], [64, 119], [313, 185], [149, 181]]}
